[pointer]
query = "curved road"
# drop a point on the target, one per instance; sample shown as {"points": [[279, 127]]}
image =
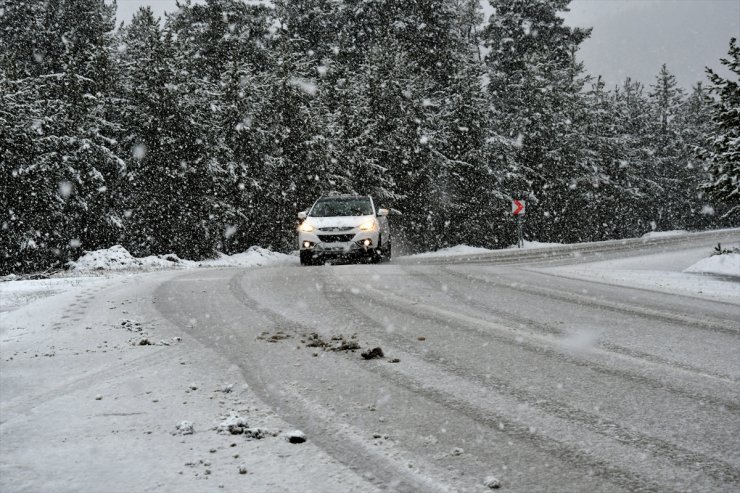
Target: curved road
{"points": [[545, 382]]}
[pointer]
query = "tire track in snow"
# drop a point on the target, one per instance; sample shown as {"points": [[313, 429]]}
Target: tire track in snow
{"points": [[551, 330], [508, 335], [583, 300], [678, 455], [580, 459], [341, 447]]}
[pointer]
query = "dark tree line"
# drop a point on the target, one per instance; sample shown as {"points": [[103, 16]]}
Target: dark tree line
{"points": [[209, 130]]}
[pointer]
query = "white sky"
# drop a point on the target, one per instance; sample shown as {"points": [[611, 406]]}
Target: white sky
{"points": [[630, 37]]}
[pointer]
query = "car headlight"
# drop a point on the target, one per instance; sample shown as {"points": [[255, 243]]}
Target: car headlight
{"points": [[370, 225], [306, 227]]}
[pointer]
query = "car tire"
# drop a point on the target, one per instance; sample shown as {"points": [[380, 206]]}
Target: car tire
{"points": [[376, 257], [306, 257], [382, 253]]}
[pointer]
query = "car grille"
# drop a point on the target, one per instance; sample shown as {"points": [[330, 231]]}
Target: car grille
{"points": [[336, 238], [336, 229]]}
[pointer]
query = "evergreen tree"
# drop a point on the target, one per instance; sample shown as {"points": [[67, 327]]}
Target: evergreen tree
{"points": [[602, 153], [692, 124], [535, 83], [668, 160], [209, 132], [21, 33], [244, 85], [721, 151], [70, 157]]}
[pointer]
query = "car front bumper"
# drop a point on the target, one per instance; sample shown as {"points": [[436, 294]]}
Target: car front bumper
{"points": [[363, 244]]}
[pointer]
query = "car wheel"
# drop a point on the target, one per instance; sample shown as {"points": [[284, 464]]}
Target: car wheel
{"points": [[306, 257], [376, 257]]}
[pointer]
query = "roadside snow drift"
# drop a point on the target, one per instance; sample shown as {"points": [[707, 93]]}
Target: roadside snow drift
{"points": [[469, 250], [451, 251], [118, 258], [726, 265]]}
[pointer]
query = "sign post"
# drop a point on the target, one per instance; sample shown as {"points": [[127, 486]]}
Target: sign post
{"points": [[518, 208]]}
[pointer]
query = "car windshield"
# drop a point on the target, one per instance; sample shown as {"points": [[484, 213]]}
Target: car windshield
{"points": [[356, 206]]}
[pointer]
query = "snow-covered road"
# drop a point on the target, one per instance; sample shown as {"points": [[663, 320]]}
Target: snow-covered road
{"points": [[516, 365]]}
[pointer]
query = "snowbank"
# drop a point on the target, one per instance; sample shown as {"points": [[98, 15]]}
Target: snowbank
{"points": [[118, 258], [253, 257], [113, 258], [665, 234], [672, 272], [450, 251], [537, 244], [470, 250], [727, 265]]}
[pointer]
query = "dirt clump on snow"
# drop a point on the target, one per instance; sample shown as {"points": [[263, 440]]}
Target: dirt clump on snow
{"points": [[237, 425], [345, 345], [314, 340], [295, 436], [234, 425], [131, 326], [335, 343], [492, 482], [276, 337], [259, 433], [142, 337], [373, 353], [185, 428]]}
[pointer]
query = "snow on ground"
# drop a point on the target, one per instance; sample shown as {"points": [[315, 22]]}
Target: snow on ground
{"points": [[118, 258], [451, 251], [470, 250], [684, 272], [86, 405], [529, 245], [90, 268], [18, 293], [725, 265], [665, 234]]}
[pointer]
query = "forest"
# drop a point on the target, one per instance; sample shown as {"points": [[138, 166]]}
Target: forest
{"points": [[208, 130]]}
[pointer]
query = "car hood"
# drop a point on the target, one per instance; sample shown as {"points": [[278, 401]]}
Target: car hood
{"points": [[339, 221]]}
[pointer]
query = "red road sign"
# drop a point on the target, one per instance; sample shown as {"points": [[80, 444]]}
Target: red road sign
{"points": [[518, 207]]}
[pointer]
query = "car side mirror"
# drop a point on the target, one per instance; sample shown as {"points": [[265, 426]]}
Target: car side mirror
{"points": [[302, 215], [382, 212]]}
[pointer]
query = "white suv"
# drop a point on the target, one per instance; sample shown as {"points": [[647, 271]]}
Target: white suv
{"points": [[344, 226]]}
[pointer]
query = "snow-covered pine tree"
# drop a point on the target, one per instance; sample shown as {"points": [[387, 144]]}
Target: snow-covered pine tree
{"points": [[602, 152], [636, 187], [474, 162], [693, 122], [669, 161], [535, 84], [179, 196], [404, 57], [245, 83], [289, 124], [150, 141], [71, 160], [721, 151], [21, 36], [32, 192]]}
